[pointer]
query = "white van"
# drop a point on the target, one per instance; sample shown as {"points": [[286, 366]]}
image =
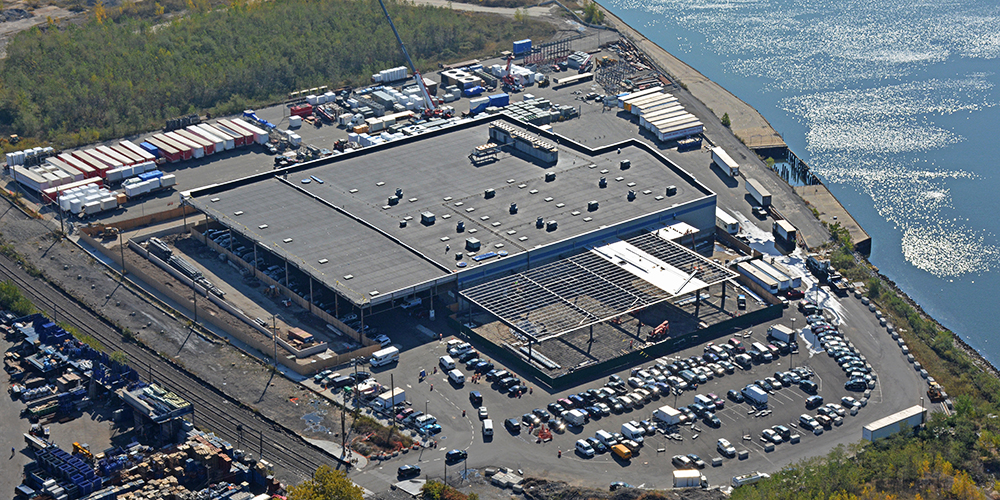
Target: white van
{"points": [[410, 304], [488, 427], [456, 376], [633, 433], [446, 362], [605, 438], [384, 357], [584, 448]]}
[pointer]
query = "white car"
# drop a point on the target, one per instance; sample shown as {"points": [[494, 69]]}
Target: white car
{"points": [[848, 401], [833, 407], [769, 436], [483, 413], [384, 340], [726, 448]]}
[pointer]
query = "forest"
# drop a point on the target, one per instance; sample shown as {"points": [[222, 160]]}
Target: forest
{"points": [[128, 70]]}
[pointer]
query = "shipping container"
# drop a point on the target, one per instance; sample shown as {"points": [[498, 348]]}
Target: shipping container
{"points": [[301, 110], [73, 172], [725, 162], [146, 155], [183, 149], [784, 229], [30, 179], [218, 145], [758, 192], [103, 158], [127, 153], [663, 101], [499, 100], [782, 333], [119, 159], [165, 149], [758, 276], [911, 417], [52, 194], [98, 166], [637, 95], [572, 80], [229, 142], [206, 145], [241, 136], [259, 135], [197, 150], [689, 478], [680, 131], [78, 164], [522, 47], [784, 282]]}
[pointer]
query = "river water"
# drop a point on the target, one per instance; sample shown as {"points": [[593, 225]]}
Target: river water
{"points": [[893, 104]]}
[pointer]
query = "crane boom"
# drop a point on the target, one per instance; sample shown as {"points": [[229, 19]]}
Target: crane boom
{"points": [[428, 102]]}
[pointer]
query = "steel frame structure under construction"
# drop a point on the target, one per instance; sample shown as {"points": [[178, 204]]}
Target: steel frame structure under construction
{"points": [[585, 289]]}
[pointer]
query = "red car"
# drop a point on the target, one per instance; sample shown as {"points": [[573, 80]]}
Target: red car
{"points": [[794, 294]]}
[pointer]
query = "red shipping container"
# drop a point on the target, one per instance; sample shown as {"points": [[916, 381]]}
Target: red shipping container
{"points": [[302, 110]]}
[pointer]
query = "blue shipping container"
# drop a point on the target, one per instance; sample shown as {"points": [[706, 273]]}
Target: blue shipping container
{"points": [[499, 100], [152, 174], [151, 149], [522, 47]]}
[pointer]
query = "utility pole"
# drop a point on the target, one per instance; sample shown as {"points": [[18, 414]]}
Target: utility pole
{"points": [[392, 395], [274, 337], [121, 248], [194, 288]]}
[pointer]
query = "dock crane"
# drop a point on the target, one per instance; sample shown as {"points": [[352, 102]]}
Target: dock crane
{"points": [[430, 109]]}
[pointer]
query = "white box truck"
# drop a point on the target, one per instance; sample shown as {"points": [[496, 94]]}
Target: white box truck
{"points": [[689, 478], [632, 432], [726, 222], [388, 399], [668, 415], [456, 376], [757, 191], [782, 333], [912, 417]]}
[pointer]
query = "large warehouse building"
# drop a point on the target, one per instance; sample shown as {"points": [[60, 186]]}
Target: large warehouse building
{"points": [[467, 207]]}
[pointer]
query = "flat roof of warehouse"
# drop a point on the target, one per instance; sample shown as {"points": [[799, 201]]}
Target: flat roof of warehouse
{"points": [[345, 219]]}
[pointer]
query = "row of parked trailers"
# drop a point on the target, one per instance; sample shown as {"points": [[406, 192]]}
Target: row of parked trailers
{"points": [[196, 141], [90, 166], [773, 276], [660, 113]]}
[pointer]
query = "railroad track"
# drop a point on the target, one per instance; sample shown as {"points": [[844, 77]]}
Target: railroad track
{"points": [[214, 410]]}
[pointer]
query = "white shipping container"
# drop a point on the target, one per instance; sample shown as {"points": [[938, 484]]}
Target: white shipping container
{"points": [[168, 180], [311, 99], [91, 208], [294, 121], [295, 139], [76, 205]]}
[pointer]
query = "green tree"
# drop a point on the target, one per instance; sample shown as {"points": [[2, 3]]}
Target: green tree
{"points": [[725, 120], [593, 14], [326, 484]]}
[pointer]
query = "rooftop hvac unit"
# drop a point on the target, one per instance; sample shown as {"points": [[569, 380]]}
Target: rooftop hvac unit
{"points": [[592, 206], [513, 208], [603, 183], [460, 226], [631, 194], [625, 164], [551, 225], [489, 193], [393, 200], [402, 223], [540, 222], [399, 192], [550, 176], [427, 218], [458, 256], [671, 190], [472, 244]]}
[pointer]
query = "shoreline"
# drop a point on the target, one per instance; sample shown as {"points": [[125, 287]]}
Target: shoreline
{"points": [[677, 68]]}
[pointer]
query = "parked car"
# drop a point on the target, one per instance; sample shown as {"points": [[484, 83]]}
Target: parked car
{"points": [[406, 471], [456, 455]]}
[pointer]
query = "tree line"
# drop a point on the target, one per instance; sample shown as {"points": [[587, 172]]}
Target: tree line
{"points": [[128, 70]]}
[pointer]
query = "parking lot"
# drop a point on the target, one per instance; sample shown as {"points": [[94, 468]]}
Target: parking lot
{"points": [[899, 386]]}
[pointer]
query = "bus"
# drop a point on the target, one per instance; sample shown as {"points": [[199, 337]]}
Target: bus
{"points": [[384, 357]]}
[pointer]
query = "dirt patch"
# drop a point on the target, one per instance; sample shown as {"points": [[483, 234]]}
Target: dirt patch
{"points": [[541, 489], [20, 17]]}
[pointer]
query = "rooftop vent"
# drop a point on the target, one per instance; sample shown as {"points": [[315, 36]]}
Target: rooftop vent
{"points": [[625, 164], [540, 222], [603, 183], [458, 256], [513, 208], [550, 176], [551, 225], [460, 226], [472, 244], [592, 206], [402, 223], [399, 192], [489, 193], [631, 195]]}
